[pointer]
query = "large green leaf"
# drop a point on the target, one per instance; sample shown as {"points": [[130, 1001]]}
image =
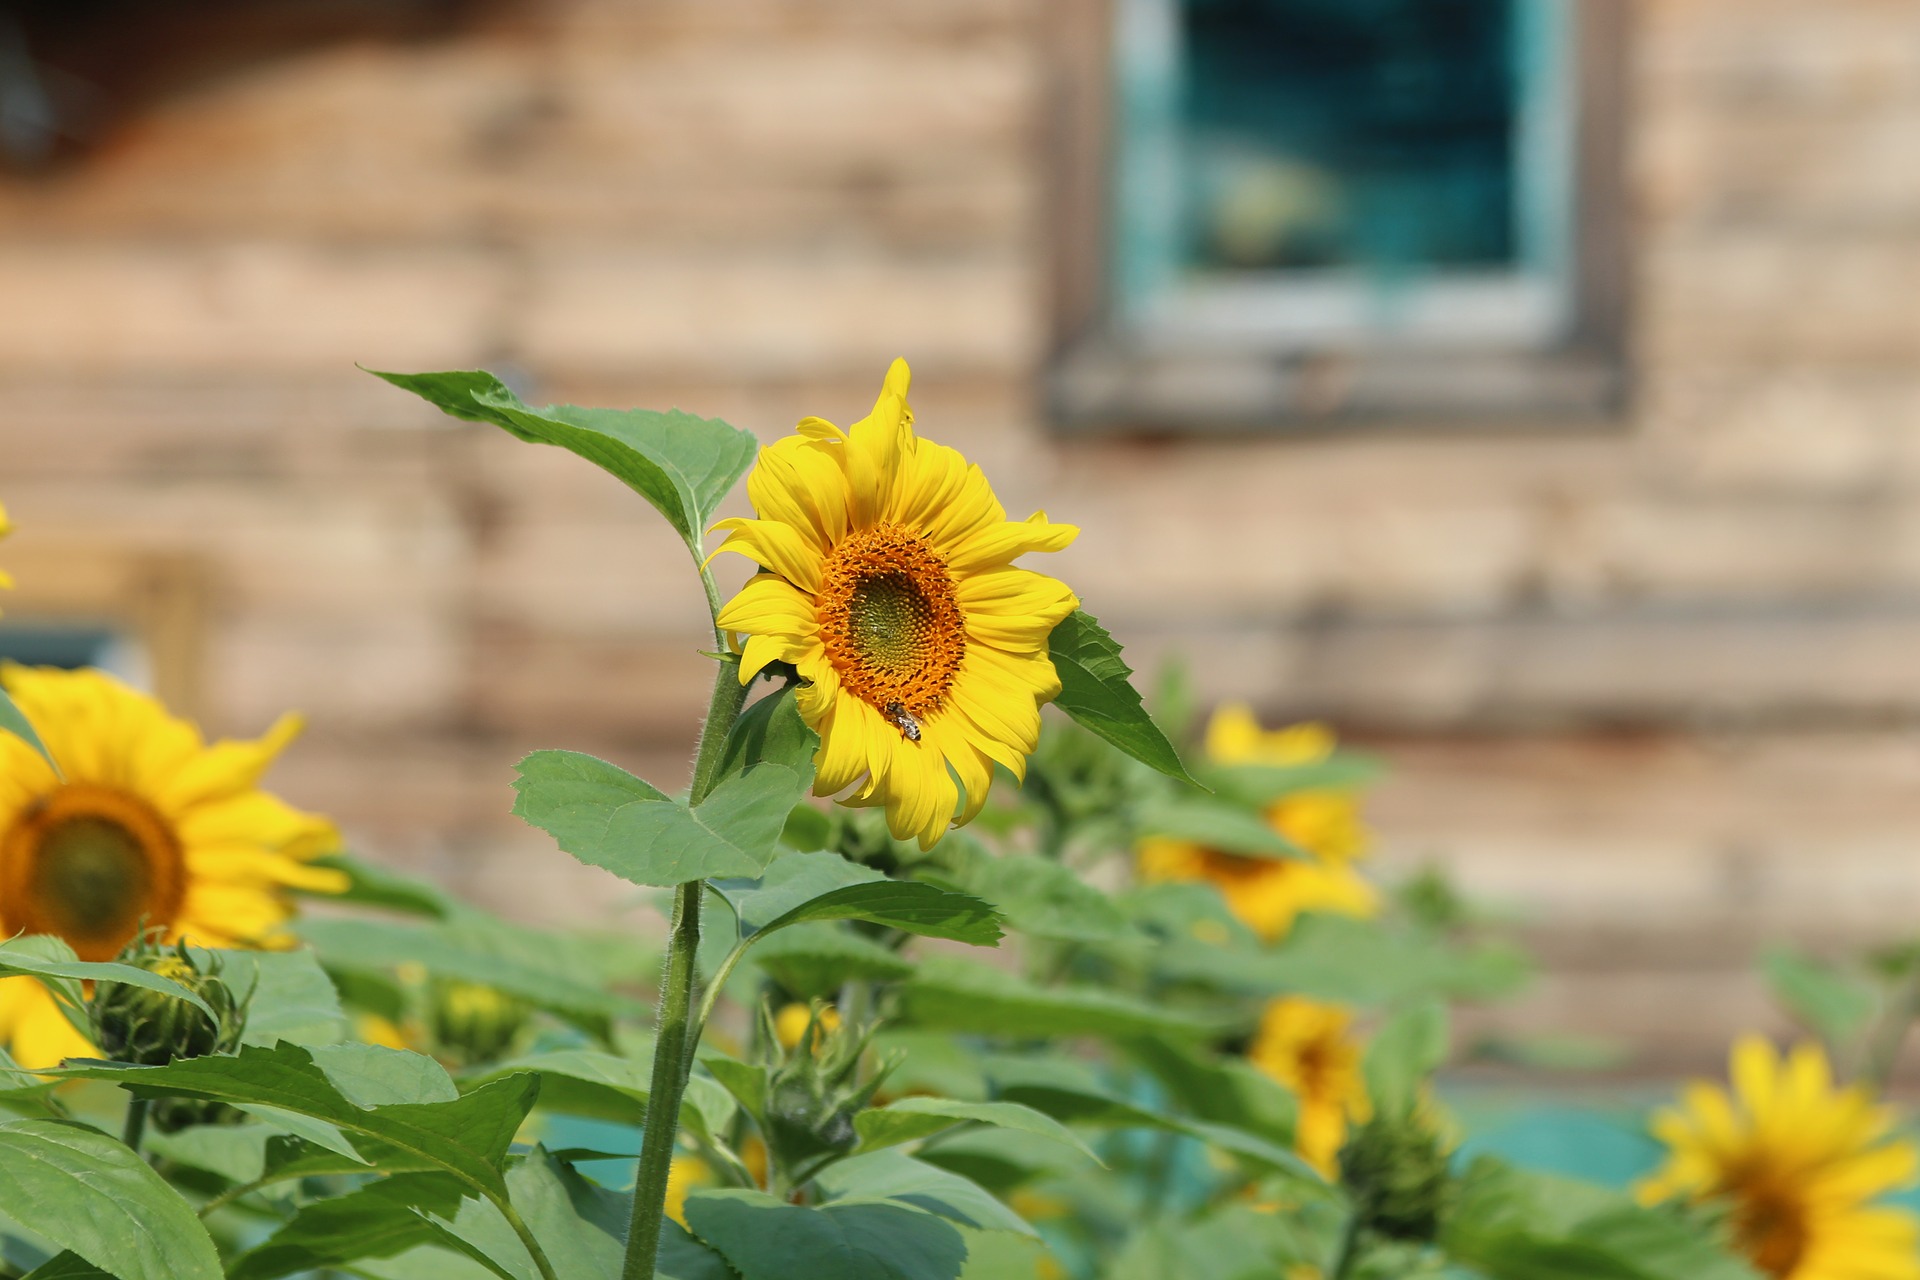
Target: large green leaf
{"points": [[67, 1266], [581, 1227], [533, 967], [378, 1220], [605, 1086], [1349, 961], [85, 1192], [466, 1137], [682, 464], [1096, 690], [792, 880], [369, 885], [293, 999], [894, 1175], [910, 906], [913, 1118], [1410, 1047], [954, 994], [53, 962], [1216, 824], [683, 1256], [1044, 898], [815, 959], [767, 1239], [12, 721], [606, 817]]}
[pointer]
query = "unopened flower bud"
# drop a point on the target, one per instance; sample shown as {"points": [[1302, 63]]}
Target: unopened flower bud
{"points": [[1396, 1168], [475, 1022]]}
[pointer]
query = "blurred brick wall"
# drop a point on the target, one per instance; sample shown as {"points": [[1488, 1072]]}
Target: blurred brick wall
{"points": [[1654, 682]]}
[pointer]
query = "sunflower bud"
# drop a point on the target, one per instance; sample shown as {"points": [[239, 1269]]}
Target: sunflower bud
{"points": [[815, 1090], [1397, 1171], [474, 1022], [152, 1028]]}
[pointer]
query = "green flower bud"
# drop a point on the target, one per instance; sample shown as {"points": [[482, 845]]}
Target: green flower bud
{"points": [[152, 1028], [473, 1022], [1396, 1169], [815, 1091]]}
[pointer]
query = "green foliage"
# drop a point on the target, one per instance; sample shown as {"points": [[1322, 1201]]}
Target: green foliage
{"points": [[1095, 690], [682, 464], [86, 1193], [1836, 1006], [12, 721], [765, 1239]]}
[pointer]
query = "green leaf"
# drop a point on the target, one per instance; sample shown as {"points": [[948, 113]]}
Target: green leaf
{"points": [[52, 961], [953, 994], [467, 1137], [1404, 1052], [1217, 824], [535, 967], [791, 881], [1045, 899], [767, 1239], [293, 999], [771, 731], [85, 1192], [378, 1220], [605, 1086], [913, 1118], [682, 464], [910, 906], [815, 959], [369, 885], [607, 818], [580, 1227], [1221, 1090], [684, 1257], [12, 721], [1831, 1004], [894, 1175], [67, 1266], [1261, 784], [1661, 1245], [1095, 690], [1348, 961]]}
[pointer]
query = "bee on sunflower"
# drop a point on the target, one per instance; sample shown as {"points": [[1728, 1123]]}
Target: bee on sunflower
{"points": [[1796, 1164], [144, 826], [888, 583], [1268, 894]]}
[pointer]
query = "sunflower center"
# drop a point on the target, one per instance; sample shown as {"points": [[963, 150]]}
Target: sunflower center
{"points": [[89, 863], [1770, 1227], [891, 623]]}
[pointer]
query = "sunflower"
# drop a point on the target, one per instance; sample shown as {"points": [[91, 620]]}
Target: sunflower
{"points": [[889, 585], [1268, 894], [144, 824], [1796, 1163], [1306, 1046], [6, 527]]}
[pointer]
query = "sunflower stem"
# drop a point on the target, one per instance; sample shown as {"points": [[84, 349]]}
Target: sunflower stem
{"points": [[136, 1127], [673, 1046]]}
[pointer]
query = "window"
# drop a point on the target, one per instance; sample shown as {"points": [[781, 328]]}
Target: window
{"points": [[1347, 208]]}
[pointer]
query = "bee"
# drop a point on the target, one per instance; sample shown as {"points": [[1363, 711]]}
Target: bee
{"points": [[903, 720]]}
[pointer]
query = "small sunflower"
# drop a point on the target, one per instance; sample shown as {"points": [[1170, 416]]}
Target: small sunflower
{"points": [[1796, 1163], [144, 823], [889, 585], [1307, 1046], [1268, 894]]}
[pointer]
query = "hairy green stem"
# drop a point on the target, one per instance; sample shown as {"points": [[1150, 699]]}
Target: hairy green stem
{"points": [[136, 1127], [673, 1046]]}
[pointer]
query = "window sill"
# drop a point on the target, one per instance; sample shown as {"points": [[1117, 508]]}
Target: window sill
{"points": [[1106, 385]]}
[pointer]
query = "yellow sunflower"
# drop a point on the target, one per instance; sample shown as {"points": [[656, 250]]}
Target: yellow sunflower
{"points": [[6, 527], [1796, 1162], [1306, 1046], [145, 822], [1268, 894], [889, 585]]}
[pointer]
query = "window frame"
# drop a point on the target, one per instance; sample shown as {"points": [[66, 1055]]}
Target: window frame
{"points": [[1465, 352]]}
